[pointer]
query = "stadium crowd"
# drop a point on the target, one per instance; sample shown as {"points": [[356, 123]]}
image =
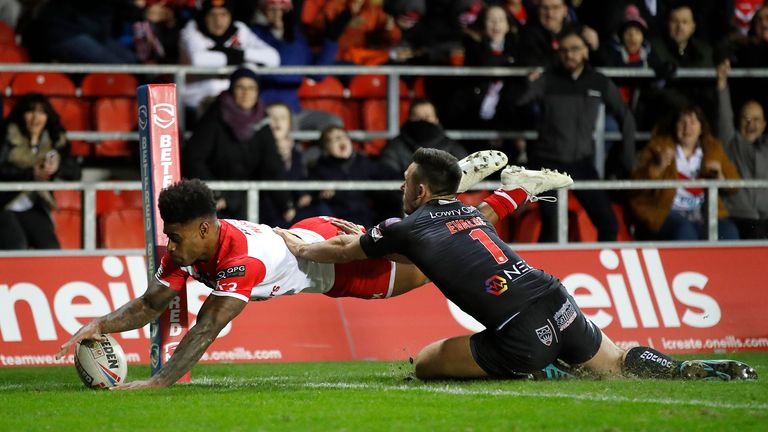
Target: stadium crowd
{"points": [[241, 127]]}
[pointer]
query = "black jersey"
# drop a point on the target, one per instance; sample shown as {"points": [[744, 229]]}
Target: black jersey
{"points": [[459, 250]]}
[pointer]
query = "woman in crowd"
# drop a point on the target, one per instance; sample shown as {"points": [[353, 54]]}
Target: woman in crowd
{"points": [[35, 149], [233, 141], [686, 151]]}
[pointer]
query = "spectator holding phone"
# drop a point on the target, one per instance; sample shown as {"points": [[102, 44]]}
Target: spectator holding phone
{"points": [[34, 148]]}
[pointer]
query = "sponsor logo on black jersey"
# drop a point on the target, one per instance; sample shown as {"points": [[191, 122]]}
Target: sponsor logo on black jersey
{"points": [[565, 316], [452, 213], [230, 272], [376, 234], [496, 285]]}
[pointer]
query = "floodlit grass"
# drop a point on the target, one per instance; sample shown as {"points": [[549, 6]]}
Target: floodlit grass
{"points": [[354, 396]]}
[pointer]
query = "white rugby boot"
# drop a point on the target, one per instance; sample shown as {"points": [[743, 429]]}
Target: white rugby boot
{"points": [[534, 182], [478, 166]]}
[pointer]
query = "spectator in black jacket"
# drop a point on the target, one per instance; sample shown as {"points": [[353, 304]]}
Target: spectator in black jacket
{"points": [[569, 97], [422, 129], [341, 162], [34, 148], [541, 36], [233, 141]]}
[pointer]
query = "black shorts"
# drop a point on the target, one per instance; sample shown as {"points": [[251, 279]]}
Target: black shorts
{"points": [[551, 327]]}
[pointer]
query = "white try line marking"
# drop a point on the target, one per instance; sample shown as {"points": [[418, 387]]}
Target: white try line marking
{"points": [[290, 382]]}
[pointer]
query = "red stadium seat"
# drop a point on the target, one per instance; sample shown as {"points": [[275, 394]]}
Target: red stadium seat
{"points": [[329, 95], [68, 199], [47, 83], [13, 54], [110, 200], [69, 228], [109, 84], [114, 115], [121, 229], [7, 35], [75, 116], [371, 90]]}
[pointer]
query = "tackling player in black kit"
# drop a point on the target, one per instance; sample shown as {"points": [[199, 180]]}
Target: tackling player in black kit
{"points": [[531, 320]]}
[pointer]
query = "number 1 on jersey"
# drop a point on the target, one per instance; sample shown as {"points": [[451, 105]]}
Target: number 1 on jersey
{"points": [[495, 251]]}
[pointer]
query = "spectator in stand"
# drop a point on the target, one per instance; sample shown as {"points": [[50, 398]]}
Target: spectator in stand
{"points": [[280, 118], [541, 36], [233, 141], [518, 10], [33, 149], [684, 150], [753, 51], [81, 31], [743, 13], [369, 33], [630, 48], [214, 39], [274, 23], [569, 96], [678, 48], [340, 162], [490, 101], [156, 38], [10, 10], [747, 147], [422, 129]]}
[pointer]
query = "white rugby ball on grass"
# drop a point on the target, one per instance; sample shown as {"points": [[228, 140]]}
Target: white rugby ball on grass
{"points": [[101, 364]]}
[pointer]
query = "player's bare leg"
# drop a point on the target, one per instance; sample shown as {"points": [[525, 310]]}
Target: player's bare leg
{"points": [[645, 362], [407, 277], [448, 358]]}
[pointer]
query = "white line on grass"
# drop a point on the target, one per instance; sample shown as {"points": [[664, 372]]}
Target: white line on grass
{"points": [[460, 391]]}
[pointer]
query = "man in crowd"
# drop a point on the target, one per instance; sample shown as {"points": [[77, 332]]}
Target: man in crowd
{"points": [[531, 320]]}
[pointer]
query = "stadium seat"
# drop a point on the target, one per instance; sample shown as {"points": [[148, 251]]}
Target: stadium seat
{"points": [[114, 115], [69, 228], [111, 200], [371, 93], [13, 54], [121, 229], [7, 35], [329, 95], [109, 85], [68, 199], [75, 116], [47, 83]]}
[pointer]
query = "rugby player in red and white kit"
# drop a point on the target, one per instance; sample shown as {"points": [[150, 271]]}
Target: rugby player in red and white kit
{"points": [[242, 261]]}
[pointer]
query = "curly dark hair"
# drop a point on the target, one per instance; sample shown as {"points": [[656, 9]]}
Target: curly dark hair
{"points": [[439, 169], [29, 102], [185, 201]]}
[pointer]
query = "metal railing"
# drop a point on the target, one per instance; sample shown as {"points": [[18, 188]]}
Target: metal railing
{"points": [[181, 73], [252, 188]]}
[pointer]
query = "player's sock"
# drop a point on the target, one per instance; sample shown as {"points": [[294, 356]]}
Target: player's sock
{"points": [[645, 362], [504, 202]]}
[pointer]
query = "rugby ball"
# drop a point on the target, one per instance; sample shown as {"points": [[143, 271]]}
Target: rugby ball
{"points": [[101, 364]]}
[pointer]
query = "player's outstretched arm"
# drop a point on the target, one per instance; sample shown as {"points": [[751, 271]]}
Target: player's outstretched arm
{"points": [[215, 314], [339, 249], [132, 315], [489, 213]]}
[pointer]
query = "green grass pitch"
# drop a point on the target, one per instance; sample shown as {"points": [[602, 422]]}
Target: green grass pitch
{"points": [[373, 396]]}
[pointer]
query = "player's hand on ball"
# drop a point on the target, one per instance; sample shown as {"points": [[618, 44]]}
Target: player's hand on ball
{"points": [[138, 385], [90, 331]]}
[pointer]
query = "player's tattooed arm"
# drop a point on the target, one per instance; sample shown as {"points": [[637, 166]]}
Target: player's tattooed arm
{"points": [[214, 315], [135, 314], [339, 249]]}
